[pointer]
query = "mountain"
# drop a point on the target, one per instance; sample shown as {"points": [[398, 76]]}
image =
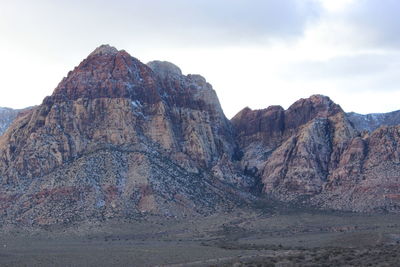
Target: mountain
{"points": [[371, 122], [119, 138], [122, 139], [311, 153]]}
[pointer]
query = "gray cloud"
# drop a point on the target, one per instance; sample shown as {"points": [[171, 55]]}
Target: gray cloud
{"points": [[243, 20], [376, 23], [50, 36], [205, 22], [344, 67], [356, 73]]}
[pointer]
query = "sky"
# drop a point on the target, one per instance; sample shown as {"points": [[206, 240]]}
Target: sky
{"points": [[255, 53]]}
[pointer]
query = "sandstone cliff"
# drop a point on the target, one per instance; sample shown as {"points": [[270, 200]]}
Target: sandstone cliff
{"points": [[311, 153], [119, 138]]}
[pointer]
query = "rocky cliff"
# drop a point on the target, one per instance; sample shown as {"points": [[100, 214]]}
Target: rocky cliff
{"points": [[119, 138], [312, 153]]}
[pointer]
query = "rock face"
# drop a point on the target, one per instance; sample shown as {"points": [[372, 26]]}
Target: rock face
{"points": [[371, 122], [312, 153], [119, 138]]}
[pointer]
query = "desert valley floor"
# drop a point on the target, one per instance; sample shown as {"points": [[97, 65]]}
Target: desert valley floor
{"points": [[287, 236]]}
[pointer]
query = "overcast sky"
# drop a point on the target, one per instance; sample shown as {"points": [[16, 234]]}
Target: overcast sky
{"points": [[255, 53]]}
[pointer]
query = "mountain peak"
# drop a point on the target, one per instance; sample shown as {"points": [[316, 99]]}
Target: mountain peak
{"points": [[105, 49], [164, 68], [318, 104], [107, 72]]}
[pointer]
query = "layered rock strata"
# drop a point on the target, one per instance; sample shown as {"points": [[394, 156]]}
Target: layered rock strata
{"points": [[312, 153], [118, 137]]}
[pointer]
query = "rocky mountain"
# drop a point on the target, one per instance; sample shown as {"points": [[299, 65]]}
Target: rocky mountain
{"points": [[311, 153], [122, 139], [119, 138], [7, 116], [371, 122]]}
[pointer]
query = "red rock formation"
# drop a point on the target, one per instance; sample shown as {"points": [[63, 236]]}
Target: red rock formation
{"points": [[124, 138], [320, 158]]}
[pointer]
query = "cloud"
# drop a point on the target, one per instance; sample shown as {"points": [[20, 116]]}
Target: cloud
{"points": [[249, 21], [205, 22], [376, 21], [346, 67], [254, 52], [363, 25]]}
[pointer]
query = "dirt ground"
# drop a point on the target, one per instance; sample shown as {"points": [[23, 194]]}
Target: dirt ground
{"points": [[240, 238]]}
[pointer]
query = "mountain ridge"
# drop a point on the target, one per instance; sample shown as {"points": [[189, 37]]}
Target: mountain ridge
{"points": [[372, 121], [119, 139]]}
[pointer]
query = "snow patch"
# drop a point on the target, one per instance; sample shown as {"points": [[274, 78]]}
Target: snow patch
{"points": [[137, 104]]}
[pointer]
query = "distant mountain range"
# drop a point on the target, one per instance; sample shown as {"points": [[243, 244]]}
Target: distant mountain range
{"points": [[7, 116], [121, 139], [371, 122]]}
